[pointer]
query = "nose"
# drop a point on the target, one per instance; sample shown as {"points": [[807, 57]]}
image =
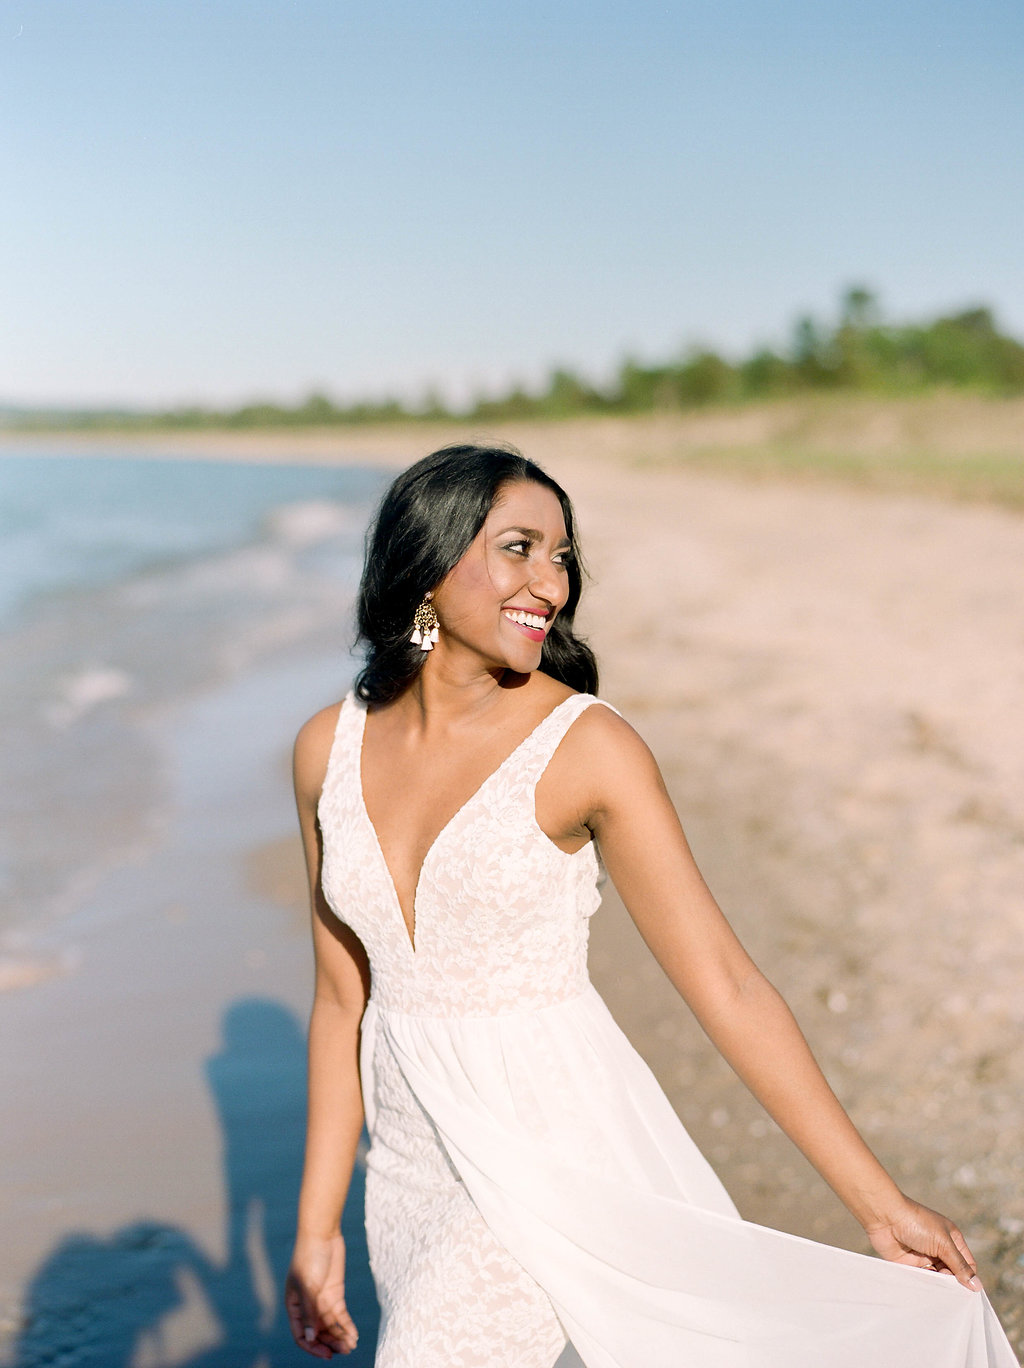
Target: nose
{"points": [[548, 583]]}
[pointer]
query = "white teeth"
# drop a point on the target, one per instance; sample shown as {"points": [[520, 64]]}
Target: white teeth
{"points": [[526, 619]]}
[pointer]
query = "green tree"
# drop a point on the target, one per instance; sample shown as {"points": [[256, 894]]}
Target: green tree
{"points": [[705, 378], [766, 374], [859, 308]]}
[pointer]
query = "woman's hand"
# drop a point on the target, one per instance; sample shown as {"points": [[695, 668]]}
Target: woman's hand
{"points": [[921, 1237], [314, 1296]]}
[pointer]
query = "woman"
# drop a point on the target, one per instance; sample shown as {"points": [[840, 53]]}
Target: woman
{"points": [[531, 1197]]}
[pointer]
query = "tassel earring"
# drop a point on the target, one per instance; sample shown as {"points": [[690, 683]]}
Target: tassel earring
{"points": [[424, 624]]}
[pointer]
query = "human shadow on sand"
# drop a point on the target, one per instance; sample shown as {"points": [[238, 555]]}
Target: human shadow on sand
{"points": [[139, 1297]]}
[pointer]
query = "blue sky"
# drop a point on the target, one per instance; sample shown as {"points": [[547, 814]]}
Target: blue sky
{"points": [[214, 201]]}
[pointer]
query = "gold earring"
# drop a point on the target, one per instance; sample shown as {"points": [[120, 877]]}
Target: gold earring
{"points": [[424, 624]]}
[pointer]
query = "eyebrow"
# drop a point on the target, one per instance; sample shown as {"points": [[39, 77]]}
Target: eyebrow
{"points": [[533, 534]]}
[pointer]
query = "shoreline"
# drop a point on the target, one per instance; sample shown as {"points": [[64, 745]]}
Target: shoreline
{"points": [[920, 439]]}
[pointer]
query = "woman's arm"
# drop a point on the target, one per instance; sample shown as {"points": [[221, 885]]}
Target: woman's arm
{"points": [[315, 1290], [649, 861]]}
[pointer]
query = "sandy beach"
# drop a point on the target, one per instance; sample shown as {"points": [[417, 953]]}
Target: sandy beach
{"points": [[830, 672]]}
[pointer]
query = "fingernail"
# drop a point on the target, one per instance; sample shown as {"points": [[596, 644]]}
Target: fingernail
{"points": [[309, 1334], [975, 1283]]}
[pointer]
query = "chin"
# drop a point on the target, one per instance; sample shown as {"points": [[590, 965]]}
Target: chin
{"points": [[523, 664], [528, 666]]}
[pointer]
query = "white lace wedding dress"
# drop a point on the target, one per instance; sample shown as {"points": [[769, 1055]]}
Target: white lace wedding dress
{"points": [[531, 1196]]}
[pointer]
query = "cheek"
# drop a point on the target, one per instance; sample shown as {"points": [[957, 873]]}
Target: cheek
{"points": [[477, 574], [470, 578], [470, 589], [487, 576]]}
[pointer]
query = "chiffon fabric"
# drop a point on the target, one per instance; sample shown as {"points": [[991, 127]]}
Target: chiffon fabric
{"points": [[531, 1196]]}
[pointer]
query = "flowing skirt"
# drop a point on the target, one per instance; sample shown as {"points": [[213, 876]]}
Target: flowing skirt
{"points": [[575, 1167]]}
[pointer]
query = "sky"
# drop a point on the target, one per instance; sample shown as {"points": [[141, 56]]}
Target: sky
{"points": [[214, 201]]}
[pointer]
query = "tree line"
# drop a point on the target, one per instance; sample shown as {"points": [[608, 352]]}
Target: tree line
{"points": [[859, 351]]}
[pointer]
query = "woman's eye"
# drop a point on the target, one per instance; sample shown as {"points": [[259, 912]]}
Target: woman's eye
{"points": [[522, 548]]}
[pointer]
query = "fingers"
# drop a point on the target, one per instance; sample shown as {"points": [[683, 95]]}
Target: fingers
{"points": [[966, 1271], [322, 1332], [952, 1255], [927, 1239], [340, 1327], [313, 1344], [302, 1320]]}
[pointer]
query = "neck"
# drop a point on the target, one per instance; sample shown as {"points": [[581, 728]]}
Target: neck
{"points": [[443, 692]]}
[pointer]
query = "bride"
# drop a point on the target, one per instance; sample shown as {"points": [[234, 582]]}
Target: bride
{"points": [[531, 1197]]}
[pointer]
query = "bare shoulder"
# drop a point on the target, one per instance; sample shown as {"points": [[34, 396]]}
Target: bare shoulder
{"points": [[609, 758], [313, 750], [607, 734]]}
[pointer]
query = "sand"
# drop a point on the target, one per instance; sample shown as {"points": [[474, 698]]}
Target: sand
{"points": [[830, 677]]}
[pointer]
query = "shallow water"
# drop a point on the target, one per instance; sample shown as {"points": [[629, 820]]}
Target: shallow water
{"points": [[128, 589]]}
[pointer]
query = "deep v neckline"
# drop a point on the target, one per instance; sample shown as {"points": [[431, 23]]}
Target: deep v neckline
{"points": [[410, 930]]}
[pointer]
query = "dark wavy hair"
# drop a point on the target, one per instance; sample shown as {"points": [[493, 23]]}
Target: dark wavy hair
{"points": [[423, 527]]}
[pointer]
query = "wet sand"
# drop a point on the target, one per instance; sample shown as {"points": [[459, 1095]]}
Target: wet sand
{"points": [[831, 679]]}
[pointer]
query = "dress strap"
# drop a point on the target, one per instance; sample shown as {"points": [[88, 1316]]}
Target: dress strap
{"points": [[546, 739], [345, 732]]}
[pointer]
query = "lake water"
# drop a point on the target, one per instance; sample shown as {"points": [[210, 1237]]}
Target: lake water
{"points": [[131, 589]]}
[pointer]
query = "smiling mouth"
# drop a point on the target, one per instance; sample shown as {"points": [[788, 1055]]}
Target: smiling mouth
{"points": [[523, 619]]}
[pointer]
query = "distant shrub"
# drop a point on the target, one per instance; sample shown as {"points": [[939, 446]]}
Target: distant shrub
{"points": [[858, 352]]}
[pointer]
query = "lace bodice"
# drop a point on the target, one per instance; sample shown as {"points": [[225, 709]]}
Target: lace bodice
{"points": [[501, 913]]}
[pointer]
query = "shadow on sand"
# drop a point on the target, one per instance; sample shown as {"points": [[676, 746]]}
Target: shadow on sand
{"points": [[110, 1302]]}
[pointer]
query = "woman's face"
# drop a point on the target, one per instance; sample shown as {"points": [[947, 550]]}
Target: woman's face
{"points": [[515, 568]]}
